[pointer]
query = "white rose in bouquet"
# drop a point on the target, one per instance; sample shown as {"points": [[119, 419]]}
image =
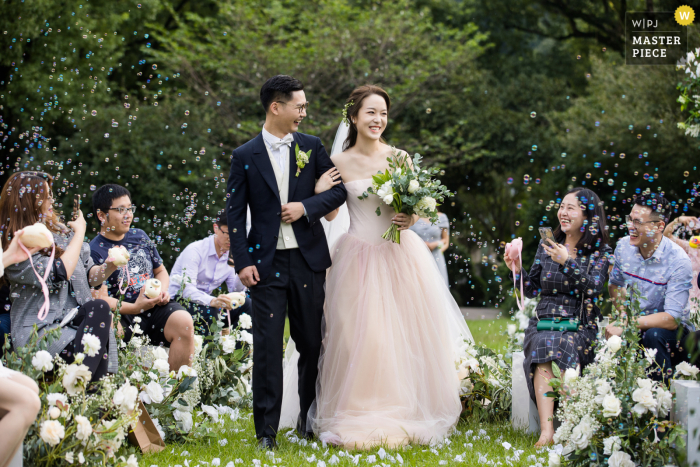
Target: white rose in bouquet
{"points": [[645, 401], [614, 343], [53, 397], [582, 433], [228, 344], [84, 428], [664, 401], [185, 419], [611, 405], [186, 371], [152, 393], [246, 337], [245, 321], [554, 459], [645, 383], [386, 193], [602, 389], [125, 398], [52, 432], [620, 459], [611, 444], [42, 361], [570, 375], [424, 206], [198, 343], [413, 186], [161, 366], [683, 368], [91, 344], [75, 376]]}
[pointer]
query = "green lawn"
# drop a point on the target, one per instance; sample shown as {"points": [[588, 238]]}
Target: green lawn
{"points": [[235, 440]]}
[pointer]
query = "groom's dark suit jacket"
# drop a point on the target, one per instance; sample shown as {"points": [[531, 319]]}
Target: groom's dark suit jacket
{"points": [[252, 182]]}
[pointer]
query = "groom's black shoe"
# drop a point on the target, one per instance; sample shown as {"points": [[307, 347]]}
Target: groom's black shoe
{"points": [[267, 443], [302, 433]]}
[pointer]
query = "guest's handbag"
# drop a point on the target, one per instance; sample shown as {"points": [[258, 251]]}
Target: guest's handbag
{"points": [[145, 434], [563, 324]]}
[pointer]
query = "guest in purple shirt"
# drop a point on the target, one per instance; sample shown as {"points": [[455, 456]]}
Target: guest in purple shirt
{"points": [[203, 267]]}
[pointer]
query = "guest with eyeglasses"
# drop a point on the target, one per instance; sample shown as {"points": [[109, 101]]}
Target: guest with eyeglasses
{"points": [[163, 320], [661, 272]]}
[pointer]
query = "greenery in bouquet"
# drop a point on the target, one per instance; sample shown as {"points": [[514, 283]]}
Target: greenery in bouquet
{"points": [[613, 414], [408, 189], [79, 422], [485, 383]]}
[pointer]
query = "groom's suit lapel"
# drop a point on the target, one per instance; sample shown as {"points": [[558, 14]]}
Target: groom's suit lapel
{"points": [[261, 159], [293, 166]]}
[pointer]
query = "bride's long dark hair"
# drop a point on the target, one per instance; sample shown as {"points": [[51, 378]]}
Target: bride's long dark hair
{"points": [[356, 97]]}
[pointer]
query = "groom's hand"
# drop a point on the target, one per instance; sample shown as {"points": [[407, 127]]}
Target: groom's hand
{"points": [[292, 212], [249, 276]]}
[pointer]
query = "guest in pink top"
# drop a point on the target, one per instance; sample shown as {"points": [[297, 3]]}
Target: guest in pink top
{"points": [[689, 223]]}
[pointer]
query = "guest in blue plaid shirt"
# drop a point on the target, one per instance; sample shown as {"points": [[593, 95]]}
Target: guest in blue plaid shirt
{"points": [[661, 272], [568, 275]]}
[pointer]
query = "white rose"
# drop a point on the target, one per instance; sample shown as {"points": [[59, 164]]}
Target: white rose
{"points": [[54, 413], [645, 383], [75, 376], [603, 387], [159, 353], [512, 329], [186, 371], [570, 375], [211, 411], [52, 432], [42, 361], [152, 393], [413, 186], [78, 358], [246, 337], [611, 445], [125, 397], [611, 406], [54, 396], [683, 368], [91, 344], [620, 459], [554, 459], [198, 343], [132, 461], [245, 321], [614, 343], [664, 401], [645, 401], [228, 344], [185, 419], [582, 433], [161, 366], [386, 193], [137, 376], [425, 205], [84, 428]]}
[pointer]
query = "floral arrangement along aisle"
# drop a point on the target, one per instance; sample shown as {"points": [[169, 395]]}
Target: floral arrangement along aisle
{"points": [[614, 414]]}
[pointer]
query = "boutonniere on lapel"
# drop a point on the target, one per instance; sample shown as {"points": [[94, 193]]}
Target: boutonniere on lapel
{"points": [[302, 158]]}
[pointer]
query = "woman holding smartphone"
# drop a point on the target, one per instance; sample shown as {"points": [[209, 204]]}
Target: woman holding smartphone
{"points": [[27, 198], [568, 274]]}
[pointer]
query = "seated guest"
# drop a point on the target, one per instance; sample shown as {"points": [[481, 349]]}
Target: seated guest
{"points": [[19, 394], [661, 272], [27, 199], [164, 321], [569, 275], [690, 223], [199, 270]]}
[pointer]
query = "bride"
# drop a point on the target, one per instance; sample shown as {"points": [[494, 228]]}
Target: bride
{"points": [[391, 327]]}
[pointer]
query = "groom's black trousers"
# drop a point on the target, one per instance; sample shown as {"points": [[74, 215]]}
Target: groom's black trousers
{"points": [[291, 283]]}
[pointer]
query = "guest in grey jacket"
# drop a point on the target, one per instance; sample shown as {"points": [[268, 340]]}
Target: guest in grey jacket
{"points": [[26, 199]]}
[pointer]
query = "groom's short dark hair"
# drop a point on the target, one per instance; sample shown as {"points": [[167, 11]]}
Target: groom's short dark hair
{"points": [[279, 88]]}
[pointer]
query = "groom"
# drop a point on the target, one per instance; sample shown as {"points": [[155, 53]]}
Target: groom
{"points": [[283, 259]]}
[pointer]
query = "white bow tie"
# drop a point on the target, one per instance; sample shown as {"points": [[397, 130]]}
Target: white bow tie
{"points": [[287, 140]]}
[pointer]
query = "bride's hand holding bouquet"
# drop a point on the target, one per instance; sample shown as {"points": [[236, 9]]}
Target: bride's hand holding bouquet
{"points": [[409, 190]]}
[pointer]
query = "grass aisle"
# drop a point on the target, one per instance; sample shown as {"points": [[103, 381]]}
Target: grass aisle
{"points": [[471, 444]]}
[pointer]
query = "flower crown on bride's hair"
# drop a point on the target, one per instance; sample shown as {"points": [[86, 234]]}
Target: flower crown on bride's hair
{"points": [[345, 112]]}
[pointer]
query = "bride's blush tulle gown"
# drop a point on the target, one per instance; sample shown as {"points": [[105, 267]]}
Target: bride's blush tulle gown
{"points": [[391, 333]]}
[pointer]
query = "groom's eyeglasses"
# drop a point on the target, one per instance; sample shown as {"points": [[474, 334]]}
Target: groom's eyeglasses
{"points": [[300, 107]]}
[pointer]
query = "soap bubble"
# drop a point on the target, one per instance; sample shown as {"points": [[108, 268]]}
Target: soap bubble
{"points": [[563, 154], [533, 114], [526, 179], [94, 113], [611, 182], [597, 123], [534, 147], [155, 67], [428, 110], [622, 155], [106, 135], [510, 180], [187, 112], [93, 188], [686, 173]]}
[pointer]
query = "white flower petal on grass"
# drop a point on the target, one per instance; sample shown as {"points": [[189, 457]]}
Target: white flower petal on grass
{"points": [[212, 412], [52, 432], [91, 344], [42, 361]]}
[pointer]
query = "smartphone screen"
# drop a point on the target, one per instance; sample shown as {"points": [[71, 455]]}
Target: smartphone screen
{"points": [[76, 206], [546, 232]]}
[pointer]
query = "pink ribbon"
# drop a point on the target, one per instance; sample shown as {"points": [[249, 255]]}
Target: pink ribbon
{"points": [[514, 250], [44, 310], [121, 280]]}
